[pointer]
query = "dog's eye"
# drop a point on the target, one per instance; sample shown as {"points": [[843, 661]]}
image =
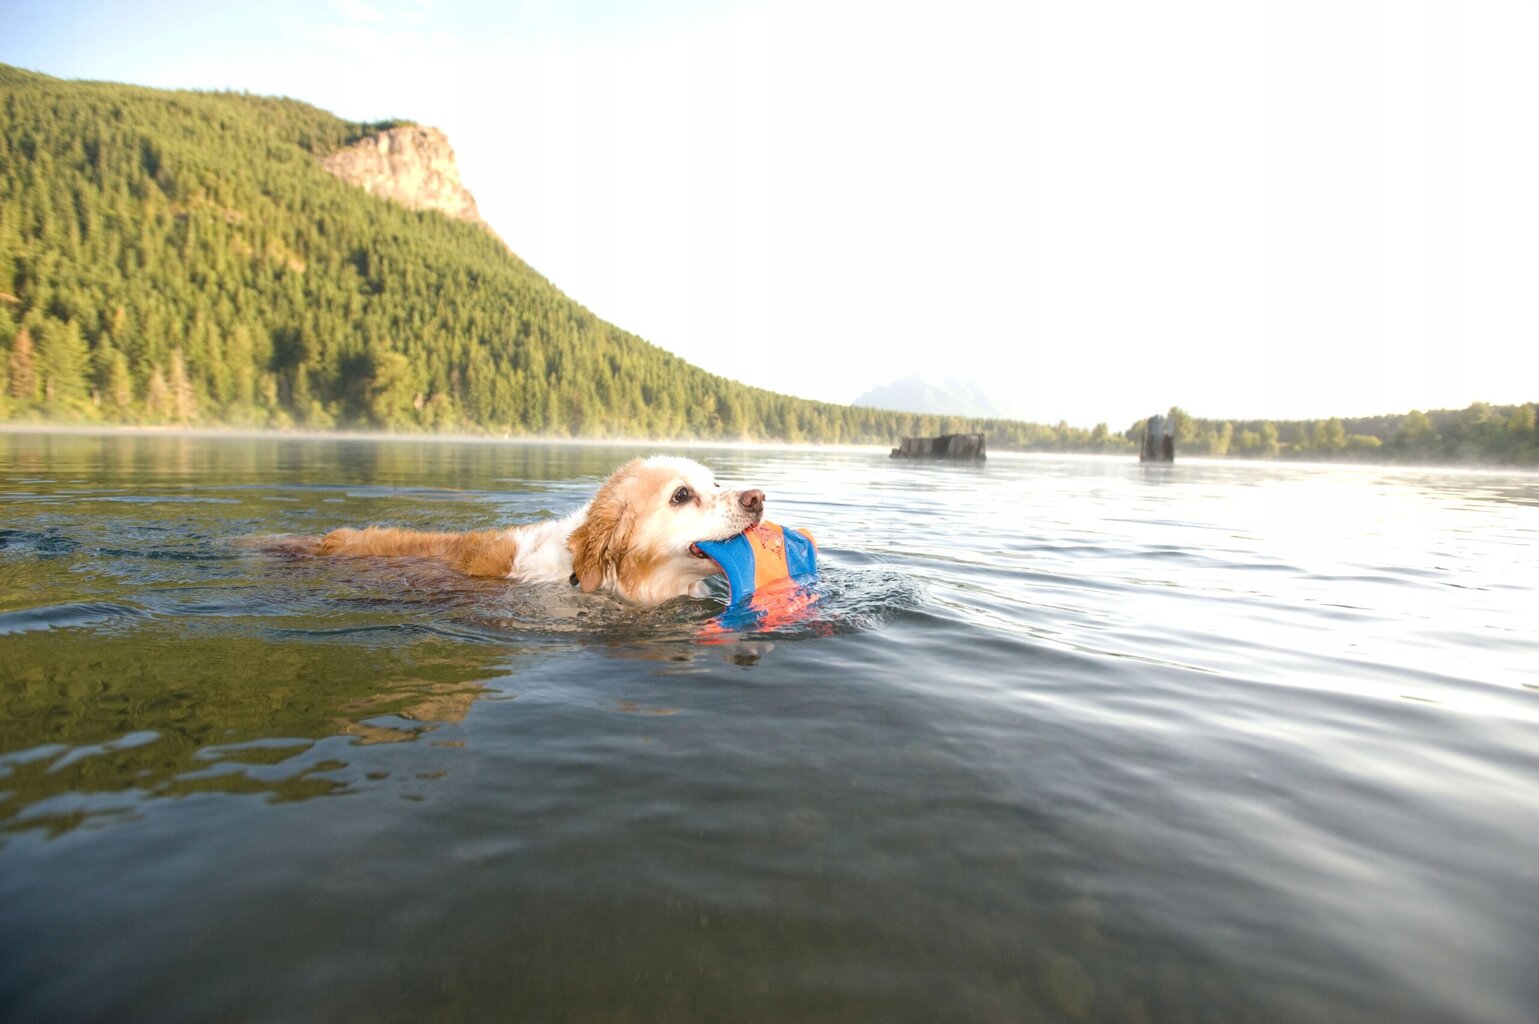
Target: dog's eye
{"points": [[682, 495]]}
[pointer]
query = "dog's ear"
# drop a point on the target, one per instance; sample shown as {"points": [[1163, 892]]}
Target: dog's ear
{"points": [[600, 540]]}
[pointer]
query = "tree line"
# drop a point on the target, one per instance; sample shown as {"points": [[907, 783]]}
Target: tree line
{"points": [[1504, 434], [180, 258]]}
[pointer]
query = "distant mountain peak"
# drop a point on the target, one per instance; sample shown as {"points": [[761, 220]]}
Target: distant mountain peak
{"points": [[409, 164], [950, 396]]}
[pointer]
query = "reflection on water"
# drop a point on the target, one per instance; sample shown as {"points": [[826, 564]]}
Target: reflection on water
{"points": [[93, 726], [1062, 739]]}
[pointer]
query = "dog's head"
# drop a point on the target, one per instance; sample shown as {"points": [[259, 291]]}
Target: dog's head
{"points": [[639, 531]]}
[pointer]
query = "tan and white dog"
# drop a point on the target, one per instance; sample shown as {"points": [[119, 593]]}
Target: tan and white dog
{"points": [[636, 538]]}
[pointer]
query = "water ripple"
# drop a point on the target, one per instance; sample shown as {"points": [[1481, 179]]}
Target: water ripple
{"points": [[66, 616], [43, 542]]}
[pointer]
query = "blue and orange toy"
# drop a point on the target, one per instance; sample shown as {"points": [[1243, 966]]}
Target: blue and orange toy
{"points": [[766, 567]]}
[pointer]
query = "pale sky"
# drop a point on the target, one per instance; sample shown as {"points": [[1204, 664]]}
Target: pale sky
{"points": [[1284, 209]]}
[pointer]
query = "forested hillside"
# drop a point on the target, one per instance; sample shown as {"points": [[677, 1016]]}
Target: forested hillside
{"points": [[182, 258], [174, 257]]}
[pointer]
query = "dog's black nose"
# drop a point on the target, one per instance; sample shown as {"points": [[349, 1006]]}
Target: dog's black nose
{"points": [[752, 500]]}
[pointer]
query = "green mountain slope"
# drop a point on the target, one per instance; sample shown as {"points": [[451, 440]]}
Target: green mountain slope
{"points": [[181, 257]]}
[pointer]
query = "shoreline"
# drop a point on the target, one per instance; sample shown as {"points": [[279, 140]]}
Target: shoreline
{"points": [[258, 433], [255, 434]]}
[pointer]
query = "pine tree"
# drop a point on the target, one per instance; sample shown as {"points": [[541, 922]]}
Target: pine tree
{"points": [[23, 369], [240, 353], [184, 404], [117, 388], [63, 362], [392, 390], [157, 397]]}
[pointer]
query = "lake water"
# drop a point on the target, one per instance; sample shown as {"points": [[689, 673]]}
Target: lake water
{"points": [[1064, 739]]}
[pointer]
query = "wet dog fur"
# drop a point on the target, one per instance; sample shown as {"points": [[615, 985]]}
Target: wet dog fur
{"points": [[635, 539]]}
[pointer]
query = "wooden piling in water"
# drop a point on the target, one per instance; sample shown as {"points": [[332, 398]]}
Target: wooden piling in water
{"points": [[947, 446], [1159, 443]]}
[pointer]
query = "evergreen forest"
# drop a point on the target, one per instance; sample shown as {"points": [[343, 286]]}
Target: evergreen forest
{"points": [[180, 258]]}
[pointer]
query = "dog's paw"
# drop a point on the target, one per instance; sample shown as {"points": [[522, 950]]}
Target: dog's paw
{"points": [[285, 545], [335, 542]]}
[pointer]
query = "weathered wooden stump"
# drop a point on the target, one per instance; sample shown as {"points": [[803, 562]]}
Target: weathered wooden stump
{"points": [[947, 446], [1159, 443]]}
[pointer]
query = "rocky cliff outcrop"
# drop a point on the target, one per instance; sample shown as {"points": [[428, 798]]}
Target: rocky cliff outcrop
{"points": [[411, 165]]}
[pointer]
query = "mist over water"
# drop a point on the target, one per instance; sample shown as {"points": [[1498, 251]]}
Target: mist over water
{"points": [[1064, 739]]}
